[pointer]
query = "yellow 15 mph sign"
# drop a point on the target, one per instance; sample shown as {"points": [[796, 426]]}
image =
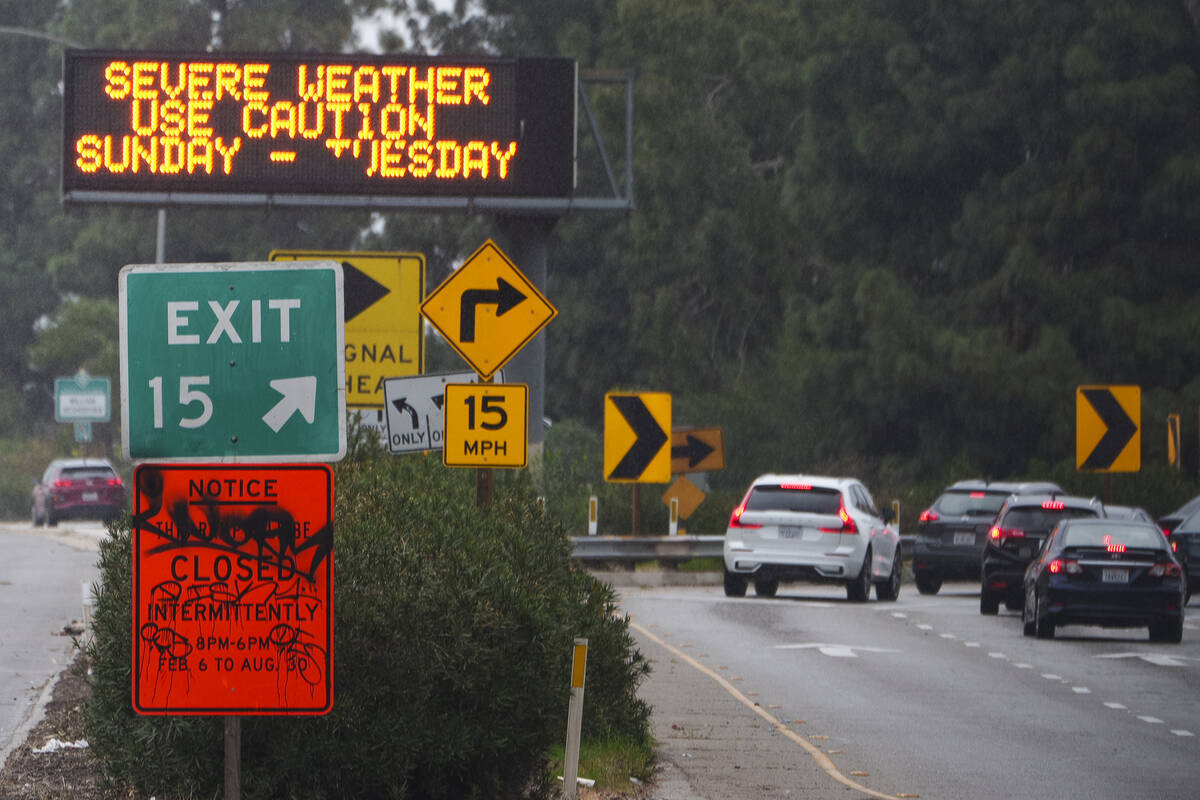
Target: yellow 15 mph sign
{"points": [[486, 425]]}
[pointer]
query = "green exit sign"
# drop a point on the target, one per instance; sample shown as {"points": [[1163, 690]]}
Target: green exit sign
{"points": [[233, 362]]}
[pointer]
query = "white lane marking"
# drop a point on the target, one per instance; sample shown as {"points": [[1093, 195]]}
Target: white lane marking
{"points": [[971, 644], [1158, 659], [1050, 676], [1023, 666], [898, 615], [815, 752], [835, 650], [997, 655], [925, 627], [1181, 732], [1117, 706], [1151, 720], [947, 635], [1081, 690]]}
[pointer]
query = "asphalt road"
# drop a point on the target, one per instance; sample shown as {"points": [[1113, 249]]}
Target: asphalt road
{"points": [[808, 695], [43, 572]]}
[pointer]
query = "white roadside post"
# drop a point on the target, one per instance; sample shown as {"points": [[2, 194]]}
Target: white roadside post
{"points": [[593, 502], [674, 525], [574, 720]]}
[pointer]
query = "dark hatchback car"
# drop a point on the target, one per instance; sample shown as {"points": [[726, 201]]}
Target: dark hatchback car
{"points": [[951, 533], [1015, 538], [1106, 572], [79, 488], [1185, 545], [1170, 522]]}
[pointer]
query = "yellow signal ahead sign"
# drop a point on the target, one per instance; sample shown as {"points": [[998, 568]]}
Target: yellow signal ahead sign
{"points": [[385, 336], [1108, 434], [487, 310], [636, 439], [486, 425]]}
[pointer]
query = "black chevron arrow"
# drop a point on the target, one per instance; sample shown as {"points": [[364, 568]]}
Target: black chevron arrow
{"points": [[361, 290], [650, 438], [402, 405], [505, 297], [1120, 429], [695, 451]]}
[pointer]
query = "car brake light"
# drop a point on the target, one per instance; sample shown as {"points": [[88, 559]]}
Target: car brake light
{"points": [[796, 487], [1170, 570], [735, 519], [1110, 547], [61, 484], [1006, 533], [977, 495], [1054, 505], [1065, 565], [114, 481], [929, 515], [847, 526]]}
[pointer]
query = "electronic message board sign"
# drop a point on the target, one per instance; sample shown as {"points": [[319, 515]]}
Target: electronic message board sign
{"points": [[292, 123]]}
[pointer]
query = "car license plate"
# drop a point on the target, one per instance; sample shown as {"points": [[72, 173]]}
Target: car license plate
{"points": [[91, 497], [788, 532], [1109, 575], [964, 538]]}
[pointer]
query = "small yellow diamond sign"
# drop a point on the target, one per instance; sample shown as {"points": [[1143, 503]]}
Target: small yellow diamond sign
{"points": [[487, 310]]}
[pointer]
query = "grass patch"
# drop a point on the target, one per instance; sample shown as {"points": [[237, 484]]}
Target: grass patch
{"points": [[610, 763]]}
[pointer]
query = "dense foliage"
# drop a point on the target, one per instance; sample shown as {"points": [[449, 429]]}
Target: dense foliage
{"points": [[873, 237], [453, 644]]}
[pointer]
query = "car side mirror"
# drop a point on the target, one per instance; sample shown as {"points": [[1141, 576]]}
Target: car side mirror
{"points": [[888, 516]]}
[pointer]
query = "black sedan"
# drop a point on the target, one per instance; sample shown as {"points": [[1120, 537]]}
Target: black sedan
{"points": [[1106, 572]]}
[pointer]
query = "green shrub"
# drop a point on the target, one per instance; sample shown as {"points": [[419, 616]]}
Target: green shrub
{"points": [[452, 645]]}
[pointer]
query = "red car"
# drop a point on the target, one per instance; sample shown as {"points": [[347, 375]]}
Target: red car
{"points": [[79, 488]]}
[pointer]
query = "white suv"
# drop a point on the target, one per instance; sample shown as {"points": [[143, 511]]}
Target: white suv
{"points": [[813, 528]]}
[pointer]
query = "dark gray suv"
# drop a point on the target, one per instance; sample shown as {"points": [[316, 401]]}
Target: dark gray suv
{"points": [[951, 533], [1015, 539]]}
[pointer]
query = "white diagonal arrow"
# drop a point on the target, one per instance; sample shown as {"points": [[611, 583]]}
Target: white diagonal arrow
{"points": [[835, 650], [299, 394], [1158, 659]]}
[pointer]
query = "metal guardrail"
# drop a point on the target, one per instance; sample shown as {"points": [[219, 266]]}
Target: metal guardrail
{"points": [[670, 548]]}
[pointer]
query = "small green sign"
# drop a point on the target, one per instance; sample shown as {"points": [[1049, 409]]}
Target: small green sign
{"points": [[82, 398], [233, 362]]}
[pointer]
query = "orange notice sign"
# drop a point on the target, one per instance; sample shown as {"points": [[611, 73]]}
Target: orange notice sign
{"points": [[233, 589]]}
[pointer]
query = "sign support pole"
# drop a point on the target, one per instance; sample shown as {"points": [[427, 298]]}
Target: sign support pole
{"points": [[233, 758], [637, 509], [529, 239]]}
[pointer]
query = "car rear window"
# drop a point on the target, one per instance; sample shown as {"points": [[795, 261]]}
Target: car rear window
{"points": [[1113, 535], [86, 473], [976, 503], [814, 500], [1035, 518]]}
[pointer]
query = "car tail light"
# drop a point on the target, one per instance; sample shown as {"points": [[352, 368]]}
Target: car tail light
{"points": [[1068, 566], [1006, 533], [929, 515], [1169, 570], [61, 484], [847, 525], [114, 481], [796, 487], [1054, 505], [735, 519]]}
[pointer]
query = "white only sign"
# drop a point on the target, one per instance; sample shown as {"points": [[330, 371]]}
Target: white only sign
{"points": [[413, 407]]}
